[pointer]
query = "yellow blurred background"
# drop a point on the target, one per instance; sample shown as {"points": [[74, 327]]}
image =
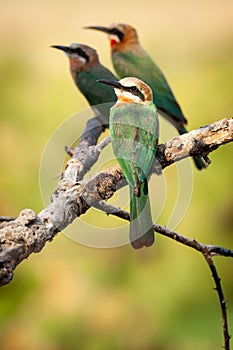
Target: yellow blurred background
{"points": [[73, 297]]}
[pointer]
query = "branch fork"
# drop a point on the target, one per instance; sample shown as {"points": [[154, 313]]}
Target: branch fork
{"points": [[29, 232]]}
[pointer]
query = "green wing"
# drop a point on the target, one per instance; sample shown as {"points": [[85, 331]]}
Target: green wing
{"points": [[142, 67], [134, 136], [98, 95]]}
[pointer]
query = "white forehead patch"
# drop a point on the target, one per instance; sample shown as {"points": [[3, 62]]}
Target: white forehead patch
{"points": [[129, 81], [74, 46]]}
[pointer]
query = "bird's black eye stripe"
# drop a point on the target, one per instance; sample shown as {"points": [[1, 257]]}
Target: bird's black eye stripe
{"points": [[80, 52], [134, 90], [118, 33]]}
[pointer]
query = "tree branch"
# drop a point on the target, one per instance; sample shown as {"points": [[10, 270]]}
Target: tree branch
{"points": [[206, 250], [222, 300], [73, 197], [28, 233], [199, 142]]}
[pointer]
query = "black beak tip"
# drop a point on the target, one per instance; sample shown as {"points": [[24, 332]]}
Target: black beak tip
{"points": [[113, 83], [60, 47], [88, 27], [104, 81], [99, 28]]}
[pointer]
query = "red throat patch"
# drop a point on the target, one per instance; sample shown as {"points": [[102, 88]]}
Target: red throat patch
{"points": [[113, 42]]}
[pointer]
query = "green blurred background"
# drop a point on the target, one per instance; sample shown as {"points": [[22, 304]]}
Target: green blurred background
{"points": [[73, 297]]}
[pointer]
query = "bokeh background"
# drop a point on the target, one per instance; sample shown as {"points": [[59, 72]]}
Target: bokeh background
{"points": [[74, 297]]}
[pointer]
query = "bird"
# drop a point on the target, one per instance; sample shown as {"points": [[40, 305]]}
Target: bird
{"points": [[129, 58], [86, 69], [134, 133]]}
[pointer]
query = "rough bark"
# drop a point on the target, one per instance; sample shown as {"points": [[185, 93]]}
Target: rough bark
{"points": [[28, 233]]}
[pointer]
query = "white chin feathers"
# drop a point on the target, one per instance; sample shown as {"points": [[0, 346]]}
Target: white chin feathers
{"points": [[126, 96], [114, 37]]}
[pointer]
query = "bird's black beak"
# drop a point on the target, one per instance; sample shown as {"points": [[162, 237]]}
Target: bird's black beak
{"points": [[66, 49], [101, 29], [110, 31], [114, 83]]}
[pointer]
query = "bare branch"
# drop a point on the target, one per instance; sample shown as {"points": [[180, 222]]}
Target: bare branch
{"points": [[207, 251], [86, 153], [164, 231], [29, 232], [74, 196], [222, 300], [199, 142]]}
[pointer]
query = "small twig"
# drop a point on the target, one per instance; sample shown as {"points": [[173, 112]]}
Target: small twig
{"points": [[103, 143], [109, 209], [207, 251], [222, 300], [215, 250]]}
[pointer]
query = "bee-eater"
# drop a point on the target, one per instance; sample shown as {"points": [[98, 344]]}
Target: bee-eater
{"points": [[134, 130], [86, 69], [130, 59]]}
